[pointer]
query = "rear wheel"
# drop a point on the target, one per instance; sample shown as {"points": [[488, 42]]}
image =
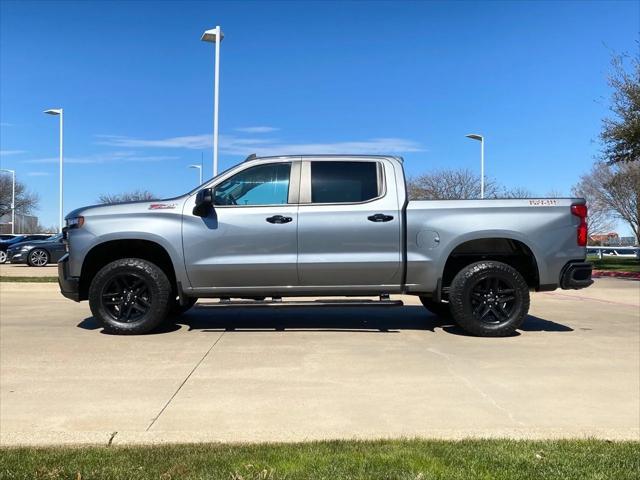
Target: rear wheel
{"points": [[440, 309], [38, 258], [489, 299], [130, 296]]}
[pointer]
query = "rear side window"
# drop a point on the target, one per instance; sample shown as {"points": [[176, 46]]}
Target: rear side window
{"points": [[344, 182]]}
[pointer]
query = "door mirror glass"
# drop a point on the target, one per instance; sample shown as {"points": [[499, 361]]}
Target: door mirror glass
{"points": [[204, 202]]}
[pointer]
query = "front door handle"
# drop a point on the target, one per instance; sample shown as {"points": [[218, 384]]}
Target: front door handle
{"points": [[380, 217], [279, 219]]}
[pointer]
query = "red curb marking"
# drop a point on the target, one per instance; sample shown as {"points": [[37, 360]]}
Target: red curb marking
{"points": [[608, 273]]}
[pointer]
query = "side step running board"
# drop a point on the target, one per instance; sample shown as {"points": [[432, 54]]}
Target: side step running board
{"points": [[277, 302]]}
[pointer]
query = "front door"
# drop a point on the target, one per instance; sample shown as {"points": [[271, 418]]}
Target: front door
{"points": [[349, 225], [250, 237]]}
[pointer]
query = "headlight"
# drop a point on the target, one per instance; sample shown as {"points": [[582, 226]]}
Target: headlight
{"points": [[75, 222]]}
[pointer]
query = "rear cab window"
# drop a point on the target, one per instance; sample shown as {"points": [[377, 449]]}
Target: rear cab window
{"points": [[345, 182]]}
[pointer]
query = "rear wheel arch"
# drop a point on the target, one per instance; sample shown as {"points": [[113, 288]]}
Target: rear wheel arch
{"points": [[111, 250], [511, 251]]}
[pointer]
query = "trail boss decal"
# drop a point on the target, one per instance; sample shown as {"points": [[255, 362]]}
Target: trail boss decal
{"points": [[543, 202], [162, 206]]}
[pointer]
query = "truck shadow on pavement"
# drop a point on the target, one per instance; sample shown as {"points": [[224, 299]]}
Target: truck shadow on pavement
{"points": [[212, 318]]}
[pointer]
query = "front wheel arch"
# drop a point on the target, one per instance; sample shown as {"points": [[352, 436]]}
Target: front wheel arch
{"points": [[109, 251]]}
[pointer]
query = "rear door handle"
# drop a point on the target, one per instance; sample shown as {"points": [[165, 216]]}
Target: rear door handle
{"points": [[380, 217], [279, 219]]}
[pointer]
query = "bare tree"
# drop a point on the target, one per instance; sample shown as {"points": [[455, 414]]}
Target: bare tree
{"points": [[136, 195], [458, 184], [621, 133], [26, 202], [554, 193], [516, 192], [612, 191]]}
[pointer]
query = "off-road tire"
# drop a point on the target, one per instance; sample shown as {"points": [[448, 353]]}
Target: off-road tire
{"points": [[175, 309], [42, 255], [156, 283], [487, 284], [440, 309]]}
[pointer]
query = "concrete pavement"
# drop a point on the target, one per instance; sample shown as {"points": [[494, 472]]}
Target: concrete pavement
{"points": [[299, 373], [20, 270]]}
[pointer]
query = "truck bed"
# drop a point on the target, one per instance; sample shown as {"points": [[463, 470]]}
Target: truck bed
{"points": [[437, 228]]}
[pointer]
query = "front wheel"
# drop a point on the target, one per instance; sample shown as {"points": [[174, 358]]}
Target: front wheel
{"points": [[3, 256], [130, 296], [489, 299], [38, 258]]}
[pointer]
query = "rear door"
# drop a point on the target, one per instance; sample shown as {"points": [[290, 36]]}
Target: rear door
{"points": [[349, 223]]}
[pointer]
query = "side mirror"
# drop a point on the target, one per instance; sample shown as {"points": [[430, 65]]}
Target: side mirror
{"points": [[204, 202]]}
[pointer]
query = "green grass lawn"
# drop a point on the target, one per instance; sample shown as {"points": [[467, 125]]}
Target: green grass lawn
{"points": [[6, 279], [615, 264], [334, 460]]}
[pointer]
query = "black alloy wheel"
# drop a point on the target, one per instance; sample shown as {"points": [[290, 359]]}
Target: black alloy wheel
{"points": [[489, 299], [130, 296], [493, 300], [126, 297]]}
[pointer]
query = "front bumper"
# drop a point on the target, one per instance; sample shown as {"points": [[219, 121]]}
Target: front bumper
{"points": [[69, 286], [17, 257], [576, 275]]}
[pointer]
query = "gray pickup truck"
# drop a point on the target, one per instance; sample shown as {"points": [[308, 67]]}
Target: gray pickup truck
{"points": [[321, 225]]}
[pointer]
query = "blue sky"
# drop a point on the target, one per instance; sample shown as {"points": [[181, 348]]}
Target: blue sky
{"points": [[410, 79]]}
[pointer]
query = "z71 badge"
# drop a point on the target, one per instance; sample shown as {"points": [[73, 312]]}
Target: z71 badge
{"points": [[162, 206]]}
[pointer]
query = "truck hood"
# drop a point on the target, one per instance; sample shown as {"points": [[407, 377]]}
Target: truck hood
{"points": [[146, 206]]}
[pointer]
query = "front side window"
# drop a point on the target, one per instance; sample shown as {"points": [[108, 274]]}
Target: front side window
{"points": [[259, 185], [344, 182]]}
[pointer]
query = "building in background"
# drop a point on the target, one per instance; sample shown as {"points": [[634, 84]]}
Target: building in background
{"points": [[611, 239], [24, 224]]}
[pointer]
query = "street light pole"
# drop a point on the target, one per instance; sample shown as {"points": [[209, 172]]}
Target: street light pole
{"points": [[474, 136], [215, 35], [60, 113], [199, 167], [13, 199]]}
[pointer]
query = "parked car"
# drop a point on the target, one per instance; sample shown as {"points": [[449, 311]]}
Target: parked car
{"points": [[322, 226], [37, 253], [5, 244]]}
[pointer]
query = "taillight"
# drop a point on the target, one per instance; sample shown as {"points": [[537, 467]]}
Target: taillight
{"points": [[580, 211]]}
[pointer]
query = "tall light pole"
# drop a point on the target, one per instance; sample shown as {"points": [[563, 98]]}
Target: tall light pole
{"points": [[60, 113], [13, 198], [215, 35], [199, 167], [474, 136]]}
